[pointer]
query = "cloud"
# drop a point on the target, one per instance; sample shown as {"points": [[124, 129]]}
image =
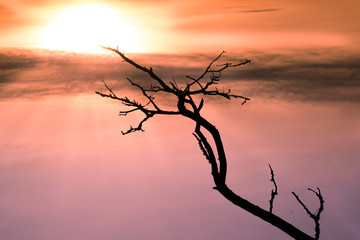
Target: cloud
{"points": [[311, 76], [260, 10], [27, 73], [326, 75]]}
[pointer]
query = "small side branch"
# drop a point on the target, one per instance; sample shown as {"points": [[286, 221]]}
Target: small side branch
{"points": [[149, 71], [215, 74], [144, 92], [274, 191], [214, 78], [207, 151], [314, 216], [136, 106], [202, 148], [226, 95], [138, 128]]}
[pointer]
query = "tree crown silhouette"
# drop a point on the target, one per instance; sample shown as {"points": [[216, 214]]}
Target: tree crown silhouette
{"points": [[188, 105]]}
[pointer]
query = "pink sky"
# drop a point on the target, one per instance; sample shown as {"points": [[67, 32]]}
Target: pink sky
{"points": [[66, 172]]}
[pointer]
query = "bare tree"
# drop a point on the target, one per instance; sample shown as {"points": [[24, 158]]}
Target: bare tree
{"points": [[188, 106]]}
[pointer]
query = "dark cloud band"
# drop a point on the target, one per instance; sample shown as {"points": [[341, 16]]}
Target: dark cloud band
{"points": [[260, 10], [326, 75]]}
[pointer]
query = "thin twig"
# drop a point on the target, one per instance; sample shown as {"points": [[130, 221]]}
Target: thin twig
{"points": [[314, 216], [274, 191]]}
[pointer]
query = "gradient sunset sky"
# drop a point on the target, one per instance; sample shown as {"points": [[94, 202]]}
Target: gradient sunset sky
{"points": [[180, 26], [67, 173]]}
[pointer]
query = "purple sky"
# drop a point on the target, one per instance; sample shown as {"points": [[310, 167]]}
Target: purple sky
{"points": [[68, 173]]}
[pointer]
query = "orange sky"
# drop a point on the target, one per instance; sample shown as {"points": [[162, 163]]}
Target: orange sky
{"points": [[196, 25]]}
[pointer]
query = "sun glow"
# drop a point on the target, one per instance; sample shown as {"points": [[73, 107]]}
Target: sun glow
{"points": [[83, 28]]}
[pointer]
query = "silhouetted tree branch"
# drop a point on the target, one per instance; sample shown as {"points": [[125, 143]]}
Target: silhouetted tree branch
{"points": [[274, 191], [314, 216], [214, 153]]}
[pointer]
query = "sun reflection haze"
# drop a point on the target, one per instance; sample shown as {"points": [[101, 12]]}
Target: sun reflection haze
{"points": [[82, 28]]}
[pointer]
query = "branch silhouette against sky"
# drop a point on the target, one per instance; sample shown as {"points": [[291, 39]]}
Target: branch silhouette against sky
{"points": [[67, 172], [189, 103]]}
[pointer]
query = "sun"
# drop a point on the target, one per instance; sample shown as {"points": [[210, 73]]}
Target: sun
{"points": [[83, 28]]}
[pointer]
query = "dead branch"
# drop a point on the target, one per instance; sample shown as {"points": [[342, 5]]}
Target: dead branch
{"points": [[314, 216], [149, 71], [274, 191], [215, 75], [214, 153], [136, 106]]}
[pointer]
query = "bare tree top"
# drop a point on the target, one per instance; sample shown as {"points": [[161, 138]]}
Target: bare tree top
{"points": [[203, 85], [189, 106]]}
